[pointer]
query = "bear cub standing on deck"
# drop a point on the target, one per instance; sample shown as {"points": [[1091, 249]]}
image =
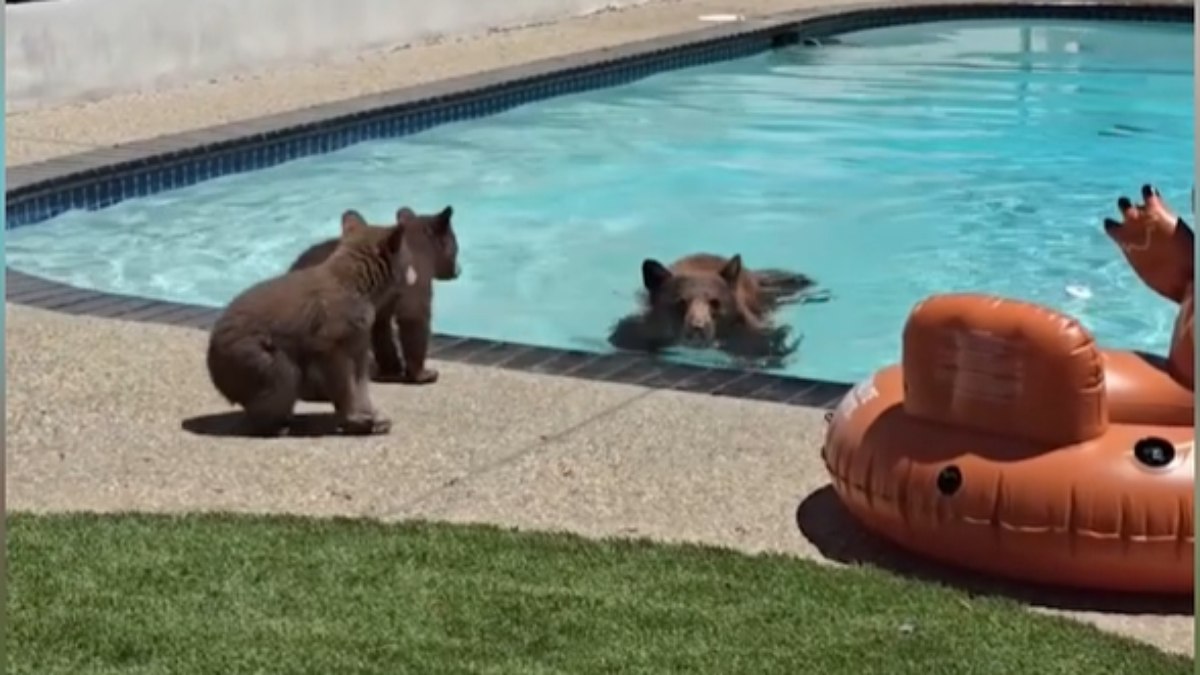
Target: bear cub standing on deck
{"points": [[306, 335], [430, 252], [705, 300]]}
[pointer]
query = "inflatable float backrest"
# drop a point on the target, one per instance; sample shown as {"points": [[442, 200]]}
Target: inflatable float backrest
{"points": [[1003, 367]]}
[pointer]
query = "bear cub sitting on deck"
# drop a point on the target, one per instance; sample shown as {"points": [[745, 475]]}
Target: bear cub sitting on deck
{"points": [[306, 335], [430, 252], [705, 301]]}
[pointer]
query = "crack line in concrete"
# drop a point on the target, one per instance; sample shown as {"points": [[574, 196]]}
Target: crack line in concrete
{"points": [[542, 441]]}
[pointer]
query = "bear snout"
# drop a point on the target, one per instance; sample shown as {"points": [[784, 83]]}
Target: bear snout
{"points": [[698, 329]]}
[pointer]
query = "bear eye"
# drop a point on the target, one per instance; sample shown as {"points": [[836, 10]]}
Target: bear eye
{"points": [[714, 305], [681, 306]]}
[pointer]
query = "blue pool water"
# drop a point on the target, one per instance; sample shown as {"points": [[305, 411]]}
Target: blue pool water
{"points": [[899, 163]]}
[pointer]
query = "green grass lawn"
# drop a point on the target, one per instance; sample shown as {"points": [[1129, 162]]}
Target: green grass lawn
{"points": [[225, 595]]}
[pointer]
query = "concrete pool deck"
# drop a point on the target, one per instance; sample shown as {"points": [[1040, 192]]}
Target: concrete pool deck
{"points": [[109, 415]]}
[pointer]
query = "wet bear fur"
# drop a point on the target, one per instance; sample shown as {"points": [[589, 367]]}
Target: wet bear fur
{"points": [[706, 301]]}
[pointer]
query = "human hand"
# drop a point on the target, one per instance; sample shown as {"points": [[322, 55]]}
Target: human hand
{"points": [[1141, 222], [1157, 243]]}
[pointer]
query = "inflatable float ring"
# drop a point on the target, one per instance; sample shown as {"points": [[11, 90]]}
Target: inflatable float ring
{"points": [[1006, 442]]}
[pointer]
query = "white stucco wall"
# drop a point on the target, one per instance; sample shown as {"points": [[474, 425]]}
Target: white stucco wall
{"points": [[72, 49]]}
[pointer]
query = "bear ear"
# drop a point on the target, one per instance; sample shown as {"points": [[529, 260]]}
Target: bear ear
{"points": [[352, 221], [404, 214], [441, 222], [654, 274], [732, 270], [395, 239]]}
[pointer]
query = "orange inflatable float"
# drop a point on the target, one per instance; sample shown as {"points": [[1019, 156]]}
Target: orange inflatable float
{"points": [[1007, 442]]}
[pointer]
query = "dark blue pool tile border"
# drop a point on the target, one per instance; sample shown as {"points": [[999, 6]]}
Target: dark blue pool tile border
{"points": [[101, 178], [623, 368]]}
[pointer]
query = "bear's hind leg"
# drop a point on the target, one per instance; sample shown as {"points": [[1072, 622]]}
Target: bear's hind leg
{"points": [[270, 410]]}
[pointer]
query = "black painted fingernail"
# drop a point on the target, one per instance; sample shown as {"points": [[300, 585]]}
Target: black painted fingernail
{"points": [[1148, 191], [1124, 204], [1110, 224]]}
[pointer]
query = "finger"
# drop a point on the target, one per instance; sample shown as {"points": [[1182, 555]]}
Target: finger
{"points": [[1110, 224], [1125, 206], [1151, 196]]}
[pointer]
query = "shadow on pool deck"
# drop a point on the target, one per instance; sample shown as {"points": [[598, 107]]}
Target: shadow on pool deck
{"points": [[830, 527], [235, 424]]}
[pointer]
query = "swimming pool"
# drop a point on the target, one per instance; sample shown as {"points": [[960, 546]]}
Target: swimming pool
{"points": [[897, 163]]}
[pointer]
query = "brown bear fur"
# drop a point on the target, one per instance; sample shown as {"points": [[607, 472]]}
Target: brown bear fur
{"points": [[306, 335], [430, 252], [705, 301]]}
